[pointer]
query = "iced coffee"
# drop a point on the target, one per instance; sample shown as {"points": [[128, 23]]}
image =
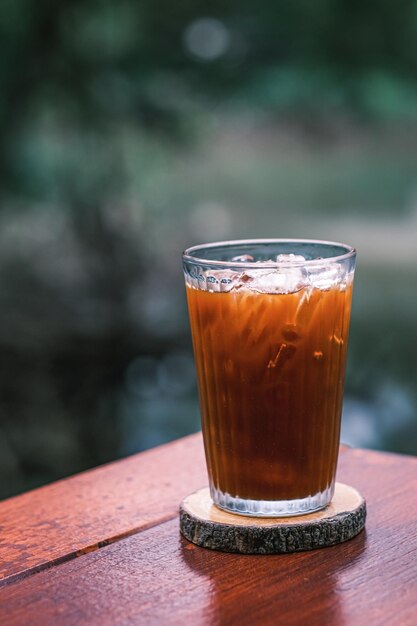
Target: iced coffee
{"points": [[270, 334]]}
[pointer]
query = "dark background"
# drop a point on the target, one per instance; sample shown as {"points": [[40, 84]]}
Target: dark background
{"points": [[130, 130]]}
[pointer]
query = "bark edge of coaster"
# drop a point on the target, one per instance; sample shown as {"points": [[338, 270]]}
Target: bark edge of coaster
{"points": [[208, 526]]}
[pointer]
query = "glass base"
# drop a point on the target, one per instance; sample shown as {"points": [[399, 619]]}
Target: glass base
{"points": [[272, 508]]}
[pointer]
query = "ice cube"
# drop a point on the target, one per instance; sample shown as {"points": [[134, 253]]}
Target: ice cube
{"points": [[243, 258], [290, 258], [325, 277], [287, 280]]}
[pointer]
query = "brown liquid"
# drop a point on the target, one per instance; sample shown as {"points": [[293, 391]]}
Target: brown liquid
{"points": [[270, 370]]}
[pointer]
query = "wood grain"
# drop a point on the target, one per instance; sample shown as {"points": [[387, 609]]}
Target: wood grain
{"points": [[80, 514], [157, 577], [83, 513], [206, 525]]}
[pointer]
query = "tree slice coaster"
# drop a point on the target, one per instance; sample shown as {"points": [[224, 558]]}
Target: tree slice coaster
{"points": [[206, 525]]}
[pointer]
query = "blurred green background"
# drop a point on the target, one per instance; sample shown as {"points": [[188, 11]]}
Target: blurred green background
{"points": [[130, 130]]}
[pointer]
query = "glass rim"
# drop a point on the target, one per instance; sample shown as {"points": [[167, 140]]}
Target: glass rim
{"points": [[187, 255]]}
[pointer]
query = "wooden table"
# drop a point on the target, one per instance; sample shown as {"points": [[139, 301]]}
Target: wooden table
{"points": [[104, 548]]}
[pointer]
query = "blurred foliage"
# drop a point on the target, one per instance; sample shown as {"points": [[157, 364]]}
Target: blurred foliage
{"points": [[91, 67]]}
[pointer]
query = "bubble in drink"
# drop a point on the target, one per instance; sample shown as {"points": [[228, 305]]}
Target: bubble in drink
{"points": [[291, 332]]}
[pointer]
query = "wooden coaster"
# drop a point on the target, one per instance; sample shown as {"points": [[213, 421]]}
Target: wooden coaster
{"points": [[204, 524]]}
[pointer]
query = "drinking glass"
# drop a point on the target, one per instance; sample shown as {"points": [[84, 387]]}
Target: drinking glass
{"points": [[270, 321]]}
